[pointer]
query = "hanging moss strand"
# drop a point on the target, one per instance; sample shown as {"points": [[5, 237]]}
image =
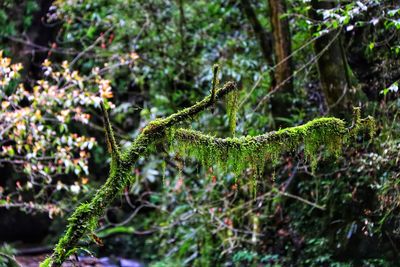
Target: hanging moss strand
{"points": [[237, 154], [231, 110]]}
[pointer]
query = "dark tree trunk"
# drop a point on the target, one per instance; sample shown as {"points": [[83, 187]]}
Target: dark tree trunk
{"points": [[282, 45], [281, 101], [263, 36], [334, 72], [279, 45], [35, 41], [182, 26]]}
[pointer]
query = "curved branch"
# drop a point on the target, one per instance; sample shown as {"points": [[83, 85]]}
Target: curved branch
{"points": [[327, 131], [84, 219]]}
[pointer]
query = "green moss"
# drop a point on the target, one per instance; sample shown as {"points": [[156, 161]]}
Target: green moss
{"points": [[369, 125], [46, 263], [359, 125], [237, 154], [164, 170], [214, 82], [84, 219], [110, 138], [234, 153], [231, 110], [81, 222]]}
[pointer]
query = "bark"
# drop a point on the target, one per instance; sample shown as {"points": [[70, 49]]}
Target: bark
{"points": [[282, 45], [279, 45], [263, 37], [334, 72], [281, 101], [39, 34]]}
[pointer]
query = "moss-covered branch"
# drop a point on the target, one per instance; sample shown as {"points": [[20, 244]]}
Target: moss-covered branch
{"points": [[330, 132], [84, 220], [252, 151], [240, 153], [111, 143]]}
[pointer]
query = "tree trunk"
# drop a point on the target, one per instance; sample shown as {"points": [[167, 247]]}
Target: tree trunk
{"points": [[282, 45], [281, 101], [38, 34], [264, 38], [334, 72]]}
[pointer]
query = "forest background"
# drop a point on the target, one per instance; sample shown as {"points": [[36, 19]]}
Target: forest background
{"points": [[292, 61]]}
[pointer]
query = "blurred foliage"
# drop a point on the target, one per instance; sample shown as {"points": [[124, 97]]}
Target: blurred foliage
{"points": [[150, 58], [24, 12], [6, 256], [35, 125]]}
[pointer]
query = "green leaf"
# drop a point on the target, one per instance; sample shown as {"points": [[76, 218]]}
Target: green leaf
{"points": [[11, 152], [116, 230], [371, 46], [90, 32], [385, 91]]}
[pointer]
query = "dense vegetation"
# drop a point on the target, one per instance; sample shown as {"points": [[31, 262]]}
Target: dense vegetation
{"points": [[290, 159]]}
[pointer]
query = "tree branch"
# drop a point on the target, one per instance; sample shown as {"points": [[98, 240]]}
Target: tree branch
{"points": [[84, 220], [111, 143], [323, 131], [214, 82], [238, 154]]}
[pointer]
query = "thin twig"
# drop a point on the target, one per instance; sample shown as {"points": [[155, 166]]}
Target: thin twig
{"points": [[109, 132]]}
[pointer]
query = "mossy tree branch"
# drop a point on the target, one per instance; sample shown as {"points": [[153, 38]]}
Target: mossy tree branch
{"points": [[84, 220], [252, 151], [236, 151], [214, 82]]}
